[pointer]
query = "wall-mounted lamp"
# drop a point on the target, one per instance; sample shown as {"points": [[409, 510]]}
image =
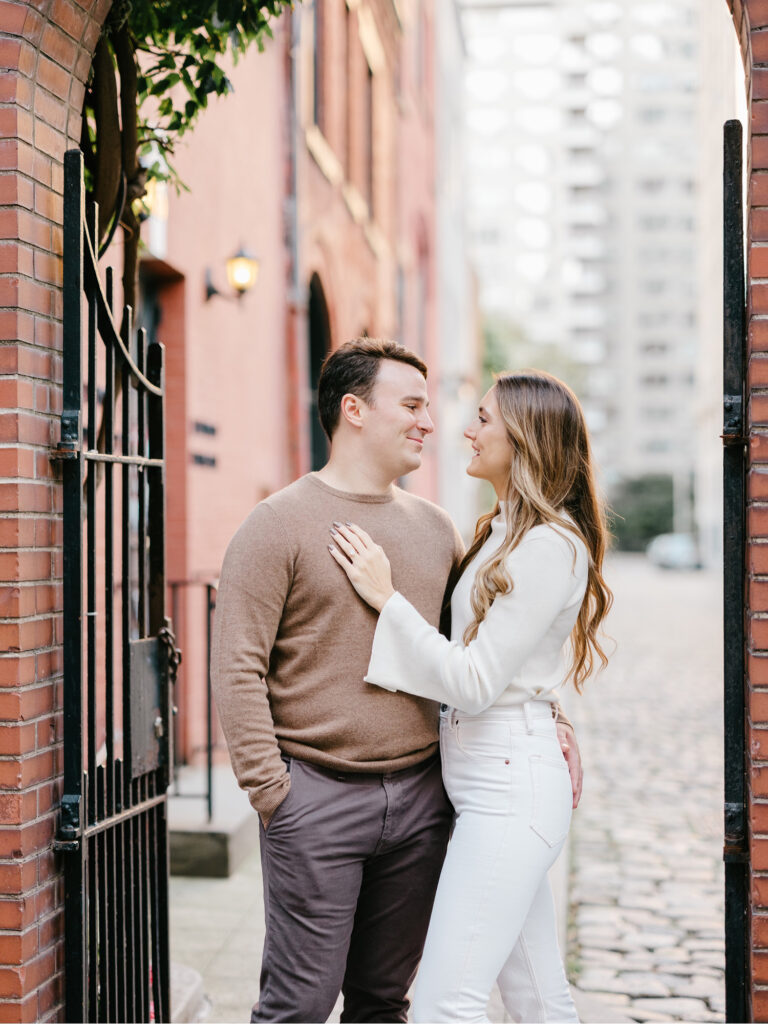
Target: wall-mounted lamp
{"points": [[242, 272]]}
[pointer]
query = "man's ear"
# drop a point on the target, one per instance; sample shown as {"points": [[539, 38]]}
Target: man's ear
{"points": [[352, 409]]}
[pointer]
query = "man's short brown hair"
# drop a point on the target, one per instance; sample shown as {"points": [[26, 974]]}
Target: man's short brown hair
{"points": [[352, 369]]}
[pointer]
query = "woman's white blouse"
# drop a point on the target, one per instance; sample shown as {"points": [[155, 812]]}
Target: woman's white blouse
{"points": [[518, 652]]}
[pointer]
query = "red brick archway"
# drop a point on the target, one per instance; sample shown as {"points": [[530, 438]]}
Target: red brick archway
{"points": [[46, 49]]}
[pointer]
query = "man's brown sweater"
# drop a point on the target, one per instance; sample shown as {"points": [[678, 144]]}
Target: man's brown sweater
{"points": [[292, 639]]}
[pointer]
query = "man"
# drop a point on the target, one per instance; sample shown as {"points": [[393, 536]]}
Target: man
{"points": [[345, 777]]}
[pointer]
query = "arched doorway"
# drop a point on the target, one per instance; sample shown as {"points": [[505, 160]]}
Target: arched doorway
{"points": [[319, 347]]}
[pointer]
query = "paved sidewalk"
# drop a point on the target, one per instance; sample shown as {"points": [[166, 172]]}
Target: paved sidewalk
{"points": [[217, 930], [646, 845], [646, 877]]}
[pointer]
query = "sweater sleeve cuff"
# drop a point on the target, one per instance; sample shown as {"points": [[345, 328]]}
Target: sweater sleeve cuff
{"points": [[266, 803]]}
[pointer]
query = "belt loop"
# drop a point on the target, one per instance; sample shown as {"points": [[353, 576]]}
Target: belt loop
{"points": [[527, 711]]}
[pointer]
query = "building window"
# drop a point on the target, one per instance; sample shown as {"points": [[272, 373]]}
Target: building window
{"points": [[319, 98], [368, 177], [319, 347], [656, 319], [654, 222], [654, 348], [422, 295], [421, 48], [400, 295], [651, 115], [654, 286], [348, 77]]}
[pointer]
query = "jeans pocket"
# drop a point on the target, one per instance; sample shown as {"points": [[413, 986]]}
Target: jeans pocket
{"points": [[552, 798], [484, 740]]}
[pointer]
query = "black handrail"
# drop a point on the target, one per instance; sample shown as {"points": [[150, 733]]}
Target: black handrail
{"points": [[210, 606]]}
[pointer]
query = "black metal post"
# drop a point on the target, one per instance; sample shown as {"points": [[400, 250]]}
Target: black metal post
{"points": [[735, 849], [70, 448]]}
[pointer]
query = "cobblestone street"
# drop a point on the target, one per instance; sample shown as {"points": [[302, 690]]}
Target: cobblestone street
{"points": [[646, 932]]}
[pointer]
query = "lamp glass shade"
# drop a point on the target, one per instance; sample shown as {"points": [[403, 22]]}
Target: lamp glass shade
{"points": [[242, 271]]}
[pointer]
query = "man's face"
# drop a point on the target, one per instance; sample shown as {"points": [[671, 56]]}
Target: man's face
{"points": [[396, 421]]}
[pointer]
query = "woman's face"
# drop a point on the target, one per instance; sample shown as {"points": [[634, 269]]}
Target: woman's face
{"points": [[491, 449]]}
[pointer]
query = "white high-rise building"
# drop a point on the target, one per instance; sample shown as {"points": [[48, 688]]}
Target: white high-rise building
{"points": [[722, 96], [458, 385], [584, 216]]}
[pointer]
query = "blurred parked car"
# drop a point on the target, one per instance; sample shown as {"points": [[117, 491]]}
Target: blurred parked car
{"points": [[674, 551]]}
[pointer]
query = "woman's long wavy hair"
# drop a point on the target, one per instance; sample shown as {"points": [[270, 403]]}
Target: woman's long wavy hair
{"points": [[551, 480]]}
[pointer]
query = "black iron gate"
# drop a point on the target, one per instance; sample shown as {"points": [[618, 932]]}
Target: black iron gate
{"points": [[735, 849], [119, 654]]}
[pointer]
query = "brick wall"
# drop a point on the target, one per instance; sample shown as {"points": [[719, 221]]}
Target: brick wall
{"points": [[45, 55]]}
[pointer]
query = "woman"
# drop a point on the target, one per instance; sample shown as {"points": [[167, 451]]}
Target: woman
{"points": [[530, 581]]}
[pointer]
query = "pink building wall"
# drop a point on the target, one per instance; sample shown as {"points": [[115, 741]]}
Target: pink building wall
{"points": [[242, 367]]}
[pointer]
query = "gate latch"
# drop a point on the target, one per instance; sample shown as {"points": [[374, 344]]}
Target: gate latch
{"points": [[173, 654]]}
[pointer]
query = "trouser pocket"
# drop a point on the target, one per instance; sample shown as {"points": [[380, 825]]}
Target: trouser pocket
{"points": [[552, 798]]}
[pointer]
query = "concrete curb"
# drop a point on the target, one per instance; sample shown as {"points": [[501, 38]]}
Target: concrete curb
{"points": [[189, 1003]]}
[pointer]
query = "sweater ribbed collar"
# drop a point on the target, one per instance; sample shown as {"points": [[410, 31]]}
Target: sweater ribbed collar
{"points": [[367, 499]]}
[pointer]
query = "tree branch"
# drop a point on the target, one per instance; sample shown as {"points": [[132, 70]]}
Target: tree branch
{"points": [[108, 172]]}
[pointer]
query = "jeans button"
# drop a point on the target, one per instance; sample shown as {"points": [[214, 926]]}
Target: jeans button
{"points": [[443, 707]]}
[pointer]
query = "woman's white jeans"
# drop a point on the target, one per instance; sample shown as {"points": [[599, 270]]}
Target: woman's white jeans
{"points": [[493, 918]]}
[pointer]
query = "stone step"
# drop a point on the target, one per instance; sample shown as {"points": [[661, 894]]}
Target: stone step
{"points": [[210, 849]]}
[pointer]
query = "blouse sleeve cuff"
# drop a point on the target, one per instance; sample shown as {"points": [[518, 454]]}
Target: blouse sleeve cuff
{"points": [[383, 668]]}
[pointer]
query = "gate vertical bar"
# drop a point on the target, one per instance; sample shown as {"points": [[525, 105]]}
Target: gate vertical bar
{"points": [[109, 537], [157, 622], [735, 849], [141, 353], [125, 528], [70, 448]]}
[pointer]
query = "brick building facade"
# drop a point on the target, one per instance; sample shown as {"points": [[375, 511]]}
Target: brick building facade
{"points": [[332, 187], [345, 258]]}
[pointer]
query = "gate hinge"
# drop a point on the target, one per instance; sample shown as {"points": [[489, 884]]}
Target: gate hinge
{"points": [[734, 850], [733, 421], [68, 838], [734, 839], [66, 845], [65, 450]]}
